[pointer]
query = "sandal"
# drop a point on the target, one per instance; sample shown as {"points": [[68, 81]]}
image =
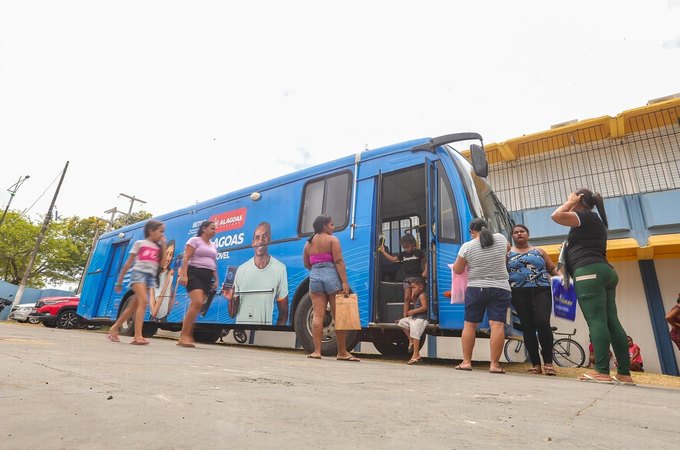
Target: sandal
{"points": [[549, 370], [536, 370], [596, 378], [140, 341], [113, 337]]}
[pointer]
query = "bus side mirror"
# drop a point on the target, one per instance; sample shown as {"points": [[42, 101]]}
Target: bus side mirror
{"points": [[479, 162]]}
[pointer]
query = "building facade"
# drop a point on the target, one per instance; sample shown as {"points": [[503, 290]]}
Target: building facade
{"points": [[633, 160]]}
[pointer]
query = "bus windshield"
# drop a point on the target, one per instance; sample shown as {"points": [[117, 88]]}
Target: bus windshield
{"points": [[482, 199]]}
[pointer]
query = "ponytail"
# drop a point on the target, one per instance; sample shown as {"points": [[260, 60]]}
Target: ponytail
{"points": [[318, 224], [599, 202], [486, 238], [591, 200]]}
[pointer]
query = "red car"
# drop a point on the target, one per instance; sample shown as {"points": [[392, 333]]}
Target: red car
{"points": [[57, 312]]}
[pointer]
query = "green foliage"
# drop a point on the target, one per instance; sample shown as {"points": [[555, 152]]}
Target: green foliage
{"points": [[62, 255], [135, 217]]}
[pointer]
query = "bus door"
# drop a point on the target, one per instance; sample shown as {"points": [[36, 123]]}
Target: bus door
{"points": [[402, 209], [116, 260], [431, 247], [445, 242]]}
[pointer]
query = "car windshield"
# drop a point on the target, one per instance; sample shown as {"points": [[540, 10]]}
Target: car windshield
{"points": [[482, 199]]}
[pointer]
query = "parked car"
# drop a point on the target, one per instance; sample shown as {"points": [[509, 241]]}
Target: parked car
{"points": [[22, 313], [58, 312]]}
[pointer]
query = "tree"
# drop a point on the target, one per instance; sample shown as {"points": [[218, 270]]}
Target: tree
{"points": [[62, 254], [135, 217]]}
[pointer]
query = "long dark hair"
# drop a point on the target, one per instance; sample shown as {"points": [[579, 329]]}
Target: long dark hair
{"points": [[592, 199], [485, 235], [318, 224], [205, 224], [151, 226]]}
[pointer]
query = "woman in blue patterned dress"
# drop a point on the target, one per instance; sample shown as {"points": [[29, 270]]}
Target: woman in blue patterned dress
{"points": [[529, 269]]}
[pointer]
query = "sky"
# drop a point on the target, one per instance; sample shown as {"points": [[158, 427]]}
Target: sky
{"points": [[175, 102]]}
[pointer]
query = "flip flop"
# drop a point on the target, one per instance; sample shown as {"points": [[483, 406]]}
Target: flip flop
{"points": [[313, 357], [549, 370], [186, 344], [497, 371], [139, 342], [113, 337], [625, 383], [591, 379], [350, 358], [459, 367], [414, 361]]}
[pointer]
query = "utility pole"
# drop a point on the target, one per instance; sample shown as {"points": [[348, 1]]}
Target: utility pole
{"points": [[113, 211], [12, 191], [46, 222], [133, 199]]}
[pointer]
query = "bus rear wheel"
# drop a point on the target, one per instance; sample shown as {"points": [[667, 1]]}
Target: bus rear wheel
{"points": [[207, 336], [303, 329]]}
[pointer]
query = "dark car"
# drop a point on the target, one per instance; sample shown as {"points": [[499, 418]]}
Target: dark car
{"points": [[58, 312]]}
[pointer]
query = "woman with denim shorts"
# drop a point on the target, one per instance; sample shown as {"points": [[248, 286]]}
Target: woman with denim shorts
{"points": [[323, 257], [146, 256], [488, 290]]}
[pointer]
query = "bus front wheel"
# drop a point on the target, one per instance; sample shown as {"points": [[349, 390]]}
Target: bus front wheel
{"points": [[303, 329], [127, 328]]}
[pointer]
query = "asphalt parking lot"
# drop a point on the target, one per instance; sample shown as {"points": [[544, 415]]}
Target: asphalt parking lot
{"points": [[74, 389]]}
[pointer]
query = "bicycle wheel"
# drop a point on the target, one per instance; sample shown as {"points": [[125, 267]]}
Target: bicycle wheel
{"points": [[515, 351], [568, 353]]}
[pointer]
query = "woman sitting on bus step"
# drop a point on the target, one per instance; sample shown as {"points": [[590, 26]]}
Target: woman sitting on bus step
{"points": [[199, 274], [488, 290], [595, 282], [146, 255], [322, 255], [413, 263], [530, 269]]}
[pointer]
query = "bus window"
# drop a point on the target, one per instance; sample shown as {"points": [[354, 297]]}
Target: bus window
{"points": [[448, 215], [393, 230], [328, 196]]}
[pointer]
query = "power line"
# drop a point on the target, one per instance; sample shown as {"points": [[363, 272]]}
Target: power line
{"points": [[23, 213]]}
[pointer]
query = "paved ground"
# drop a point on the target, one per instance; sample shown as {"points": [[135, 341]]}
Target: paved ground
{"points": [[74, 389]]}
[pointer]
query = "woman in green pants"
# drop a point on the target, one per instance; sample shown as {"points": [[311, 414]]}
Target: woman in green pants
{"points": [[595, 282]]}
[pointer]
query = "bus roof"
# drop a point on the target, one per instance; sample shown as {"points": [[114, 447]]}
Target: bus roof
{"points": [[284, 179]]}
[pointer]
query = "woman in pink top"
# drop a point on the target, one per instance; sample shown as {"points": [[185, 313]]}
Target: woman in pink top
{"points": [[199, 274], [146, 257], [323, 256]]}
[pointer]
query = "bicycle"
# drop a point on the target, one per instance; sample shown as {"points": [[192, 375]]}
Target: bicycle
{"points": [[566, 351], [240, 336]]}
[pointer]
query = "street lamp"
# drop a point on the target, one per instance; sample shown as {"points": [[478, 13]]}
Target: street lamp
{"points": [[12, 191]]}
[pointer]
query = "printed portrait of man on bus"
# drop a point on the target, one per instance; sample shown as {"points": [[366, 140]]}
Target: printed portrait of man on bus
{"points": [[259, 284]]}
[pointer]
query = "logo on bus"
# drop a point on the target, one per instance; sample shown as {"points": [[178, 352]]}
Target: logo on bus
{"points": [[229, 220]]}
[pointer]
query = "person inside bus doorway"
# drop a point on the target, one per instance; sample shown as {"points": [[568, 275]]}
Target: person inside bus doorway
{"points": [[260, 282], [488, 290]]}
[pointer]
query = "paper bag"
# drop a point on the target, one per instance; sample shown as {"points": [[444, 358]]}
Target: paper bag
{"points": [[347, 312]]}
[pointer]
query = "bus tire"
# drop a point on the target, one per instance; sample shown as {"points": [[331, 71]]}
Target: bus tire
{"points": [[303, 329], [127, 328], [394, 343], [149, 330], [207, 336]]}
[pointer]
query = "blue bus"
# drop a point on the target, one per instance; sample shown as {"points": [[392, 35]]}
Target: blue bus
{"points": [[423, 187]]}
